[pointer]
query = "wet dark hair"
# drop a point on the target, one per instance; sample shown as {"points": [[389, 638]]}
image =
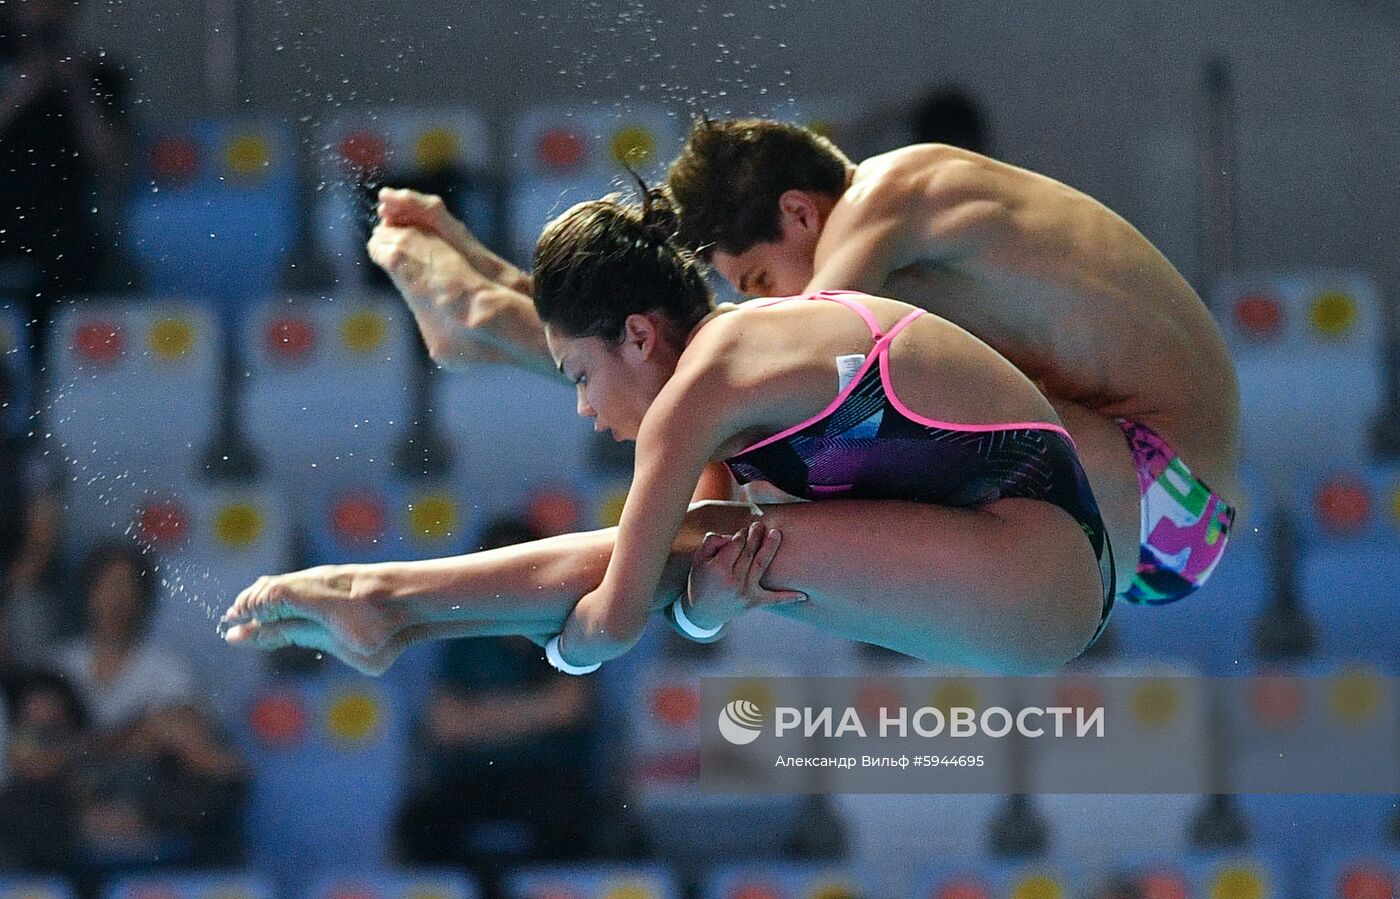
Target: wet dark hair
{"points": [[607, 259], [102, 557], [727, 180]]}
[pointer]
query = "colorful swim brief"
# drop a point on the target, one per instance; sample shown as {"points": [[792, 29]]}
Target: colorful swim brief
{"points": [[1185, 525]]}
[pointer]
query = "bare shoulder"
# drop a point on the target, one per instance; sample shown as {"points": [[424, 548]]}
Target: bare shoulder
{"points": [[714, 346], [747, 344], [927, 170]]}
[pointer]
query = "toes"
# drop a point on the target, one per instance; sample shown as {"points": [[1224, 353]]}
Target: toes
{"points": [[270, 635]]}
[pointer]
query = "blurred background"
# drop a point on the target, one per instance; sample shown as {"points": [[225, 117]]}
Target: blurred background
{"points": [[205, 380]]}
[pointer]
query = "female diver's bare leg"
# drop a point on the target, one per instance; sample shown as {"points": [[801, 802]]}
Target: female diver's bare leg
{"points": [[1011, 587]]}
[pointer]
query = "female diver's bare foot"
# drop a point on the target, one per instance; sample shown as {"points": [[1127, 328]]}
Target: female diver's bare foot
{"points": [[308, 634], [342, 623]]}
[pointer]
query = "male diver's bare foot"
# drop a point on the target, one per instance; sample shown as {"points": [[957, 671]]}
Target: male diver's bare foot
{"points": [[410, 209], [344, 624], [463, 316]]}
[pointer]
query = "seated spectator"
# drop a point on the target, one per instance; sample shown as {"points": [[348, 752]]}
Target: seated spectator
{"points": [[167, 788], [118, 672], [159, 782], [29, 613], [38, 804], [64, 154], [506, 739]]}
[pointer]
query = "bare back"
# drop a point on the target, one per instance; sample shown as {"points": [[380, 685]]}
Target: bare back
{"points": [[1062, 286]]}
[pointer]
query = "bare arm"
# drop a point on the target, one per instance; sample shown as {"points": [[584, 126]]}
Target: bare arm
{"points": [[679, 435]]}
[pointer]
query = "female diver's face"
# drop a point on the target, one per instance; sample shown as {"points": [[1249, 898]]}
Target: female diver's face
{"points": [[616, 382]]}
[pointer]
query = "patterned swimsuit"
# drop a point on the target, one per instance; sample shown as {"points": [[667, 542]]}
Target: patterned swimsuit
{"points": [[868, 445]]}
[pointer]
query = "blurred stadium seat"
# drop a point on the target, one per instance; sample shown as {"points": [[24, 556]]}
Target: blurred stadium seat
{"points": [[329, 753], [190, 885], [643, 881], [391, 884], [134, 391], [515, 431], [220, 216], [328, 385], [20, 886], [781, 880], [997, 880]]}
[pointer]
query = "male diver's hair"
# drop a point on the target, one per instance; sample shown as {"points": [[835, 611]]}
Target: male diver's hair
{"points": [[607, 259], [727, 180]]}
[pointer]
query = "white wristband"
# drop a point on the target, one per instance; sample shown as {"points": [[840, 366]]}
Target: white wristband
{"points": [[551, 652], [690, 628]]}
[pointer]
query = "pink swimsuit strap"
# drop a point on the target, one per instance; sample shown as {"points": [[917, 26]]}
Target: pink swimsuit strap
{"points": [[879, 354]]}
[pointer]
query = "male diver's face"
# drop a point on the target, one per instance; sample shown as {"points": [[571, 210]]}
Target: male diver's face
{"points": [[615, 382], [782, 267]]}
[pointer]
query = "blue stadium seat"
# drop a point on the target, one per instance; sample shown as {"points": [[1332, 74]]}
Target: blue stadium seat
{"points": [[1339, 722], [1356, 871], [643, 881], [191, 885], [1197, 875], [221, 216], [328, 387], [781, 880], [894, 835], [1156, 737], [1350, 554], [358, 883], [382, 517], [134, 390], [996, 880], [1307, 346], [20, 886], [562, 155], [663, 756], [534, 202], [329, 753], [516, 432]]}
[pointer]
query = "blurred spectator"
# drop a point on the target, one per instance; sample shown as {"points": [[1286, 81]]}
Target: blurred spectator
{"points": [[159, 782], [119, 673], [63, 151], [29, 613], [167, 788], [37, 806], [950, 115], [506, 741]]}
